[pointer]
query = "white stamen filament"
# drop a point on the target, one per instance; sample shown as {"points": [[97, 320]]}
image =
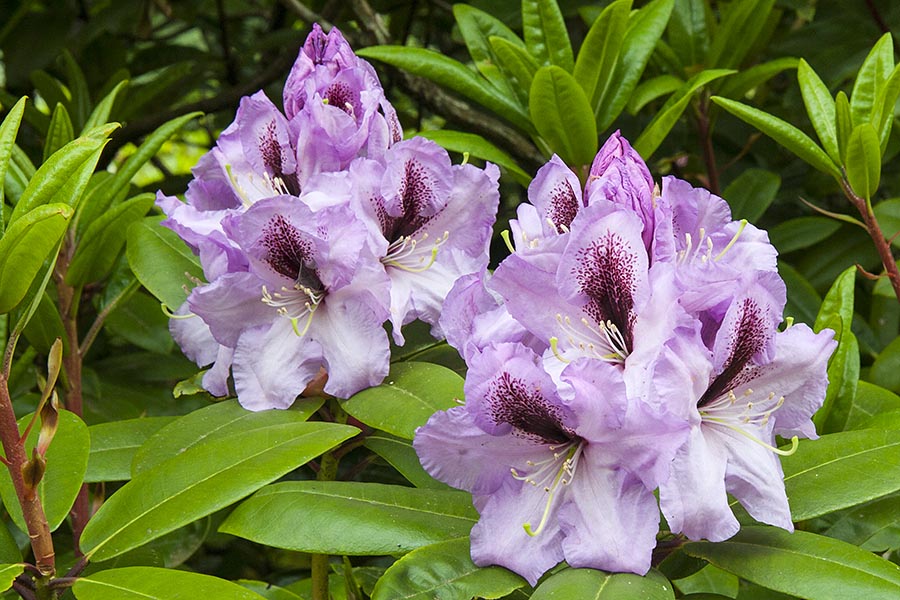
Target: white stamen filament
{"points": [[413, 255], [603, 341], [296, 303], [551, 473], [692, 252], [730, 412]]}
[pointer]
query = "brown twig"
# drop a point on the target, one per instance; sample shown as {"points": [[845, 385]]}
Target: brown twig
{"points": [[876, 15], [874, 230]]}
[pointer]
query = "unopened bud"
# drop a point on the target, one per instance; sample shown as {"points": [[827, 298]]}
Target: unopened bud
{"points": [[33, 472], [49, 424]]}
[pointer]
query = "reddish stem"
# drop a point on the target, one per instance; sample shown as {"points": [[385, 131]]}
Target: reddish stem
{"points": [[881, 244]]}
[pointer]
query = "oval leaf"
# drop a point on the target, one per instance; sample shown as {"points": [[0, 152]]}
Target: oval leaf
{"points": [[161, 261], [802, 564], [563, 116], [597, 58], [114, 444], [820, 108], [202, 480], [546, 36], [152, 583], [60, 131], [444, 570], [863, 161], [410, 394], [8, 131], [598, 585], [872, 76], [332, 517]]}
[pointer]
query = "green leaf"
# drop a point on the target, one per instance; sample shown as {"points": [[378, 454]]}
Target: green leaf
{"points": [[645, 26], [400, 454], [8, 574], [802, 564], [835, 471], [153, 583], [202, 480], [843, 367], [709, 579], [476, 27], [361, 519], [874, 526], [161, 261], [9, 549], [139, 320], [451, 74], [19, 172], [8, 130], [50, 89], [870, 80], [782, 132], [516, 63], [863, 161], [597, 58], [820, 108], [802, 299], [444, 570], [104, 238], [737, 32], [563, 117], [28, 242], [871, 400], [802, 232], [477, 146], [688, 31], [66, 464], [741, 84], [668, 115], [410, 394], [269, 591], [887, 212], [884, 371], [546, 36], [212, 423], [883, 111], [751, 193], [81, 97], [598, 585], [651, 89], [113, 446], [46, 325], [59, 133], [65, 174], [100, 114], [843, 123]]}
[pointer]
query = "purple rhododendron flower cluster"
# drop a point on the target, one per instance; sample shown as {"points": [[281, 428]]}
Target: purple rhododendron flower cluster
{"points": [[630, 343], [316, 225]]}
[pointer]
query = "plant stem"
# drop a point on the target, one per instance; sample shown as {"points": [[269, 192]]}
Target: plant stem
{"points": [[32, 510], [881, 244]]}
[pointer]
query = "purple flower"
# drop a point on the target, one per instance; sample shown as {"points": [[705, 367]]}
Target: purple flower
{"points": [[754, 384], [431, 221], [312, 285], [556, 472]]}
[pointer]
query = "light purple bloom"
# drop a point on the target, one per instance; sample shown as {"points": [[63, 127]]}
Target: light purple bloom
{"points": [[555, 473], [313, 296]]}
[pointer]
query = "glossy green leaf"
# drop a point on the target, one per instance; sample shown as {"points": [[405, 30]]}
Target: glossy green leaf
{"points": [[8, 574], [477, 146], [101, 112], [874, 526], [802, 232], [450, 74], [410, 394], [211, 423], [161, 261], [843, 367], [645, 26], [835, 471], [9, 548], [709, 579], [444, 570], [885, 370], [546, 36], [476, 27], [870, 79], [332, 517], [782, 132], [46, 325], [599, 53], [516, 63], [688, 31], [66, 464], [737, 32], [59, 133], [883, 110], [802, 564], [820, 108], [113, 446], [563, 117], [268, 591], [657, 130], [803, 300], [843, 123], [650, 90], [64, 176], [104, 238], [19, 172], [25, 246], [8, 131], [863, 160], [202, 480], [871, 400], [400, 454], [741, 84], [598, 585], [152, 583], [751, 193]]}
